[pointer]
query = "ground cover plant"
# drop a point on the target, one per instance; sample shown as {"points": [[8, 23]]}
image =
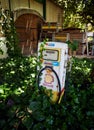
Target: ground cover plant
{"points": [[24, 107]]}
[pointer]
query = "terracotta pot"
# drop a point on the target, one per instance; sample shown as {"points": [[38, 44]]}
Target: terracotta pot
{"points": [[70, 52], [74, 53]]}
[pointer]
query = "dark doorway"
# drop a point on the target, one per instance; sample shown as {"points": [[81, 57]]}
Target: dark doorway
{"points": [[28, 28]]}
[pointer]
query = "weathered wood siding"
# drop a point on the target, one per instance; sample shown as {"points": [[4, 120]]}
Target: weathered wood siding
{"points": [[17, 4], [74, 34], [4, 4], [24, 4], [53, 12]]}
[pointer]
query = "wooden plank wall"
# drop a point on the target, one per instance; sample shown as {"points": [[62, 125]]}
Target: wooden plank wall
{"points": [[71, 34]]}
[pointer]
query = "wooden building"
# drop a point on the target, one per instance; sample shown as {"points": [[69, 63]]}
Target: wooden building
{"points": [[29, 16], [75, 34]]}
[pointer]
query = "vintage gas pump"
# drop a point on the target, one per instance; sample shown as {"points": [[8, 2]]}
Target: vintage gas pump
{"points": [[53, 72]]}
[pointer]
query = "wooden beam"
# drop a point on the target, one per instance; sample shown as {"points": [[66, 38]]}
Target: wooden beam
{"points": [[9, 5], [44, 9], [29, 3]]}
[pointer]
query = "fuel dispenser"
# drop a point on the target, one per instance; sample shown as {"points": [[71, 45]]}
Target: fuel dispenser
{"points": [[53, 72]]}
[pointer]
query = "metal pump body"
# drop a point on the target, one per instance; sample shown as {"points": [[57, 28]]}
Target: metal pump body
{"points": [[53, 71]]}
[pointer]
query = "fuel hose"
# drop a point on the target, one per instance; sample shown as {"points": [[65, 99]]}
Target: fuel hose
{"points": [[40, 73]]}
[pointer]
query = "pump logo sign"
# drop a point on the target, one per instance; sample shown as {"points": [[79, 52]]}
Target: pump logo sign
{"points": [[48, 78]]}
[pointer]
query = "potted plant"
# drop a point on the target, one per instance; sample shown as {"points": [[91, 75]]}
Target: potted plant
{"points": [[73, 46]]}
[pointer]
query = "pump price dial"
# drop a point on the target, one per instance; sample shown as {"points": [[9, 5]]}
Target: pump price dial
{"points": [[52, 55]]}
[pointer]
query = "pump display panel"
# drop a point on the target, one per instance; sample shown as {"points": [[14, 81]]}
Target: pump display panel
{"points": [[50, 54]]}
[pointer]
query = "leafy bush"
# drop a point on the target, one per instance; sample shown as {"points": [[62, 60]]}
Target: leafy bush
{"points": [[24, 107], [8, 31]]}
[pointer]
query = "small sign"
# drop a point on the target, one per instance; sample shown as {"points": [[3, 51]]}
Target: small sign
{"points": [[49, 54]]}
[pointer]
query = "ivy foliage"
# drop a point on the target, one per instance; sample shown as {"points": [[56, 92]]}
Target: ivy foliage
{"points": [[77, 13], [8, 30], [24, 107]]}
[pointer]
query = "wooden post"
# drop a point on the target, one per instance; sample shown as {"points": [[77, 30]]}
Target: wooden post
{"points": [[44, 9], [9, 5]]}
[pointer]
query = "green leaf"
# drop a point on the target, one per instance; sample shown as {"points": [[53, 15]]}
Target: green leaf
{"points": [[35, 105], [38, 126], [38, 115]]}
